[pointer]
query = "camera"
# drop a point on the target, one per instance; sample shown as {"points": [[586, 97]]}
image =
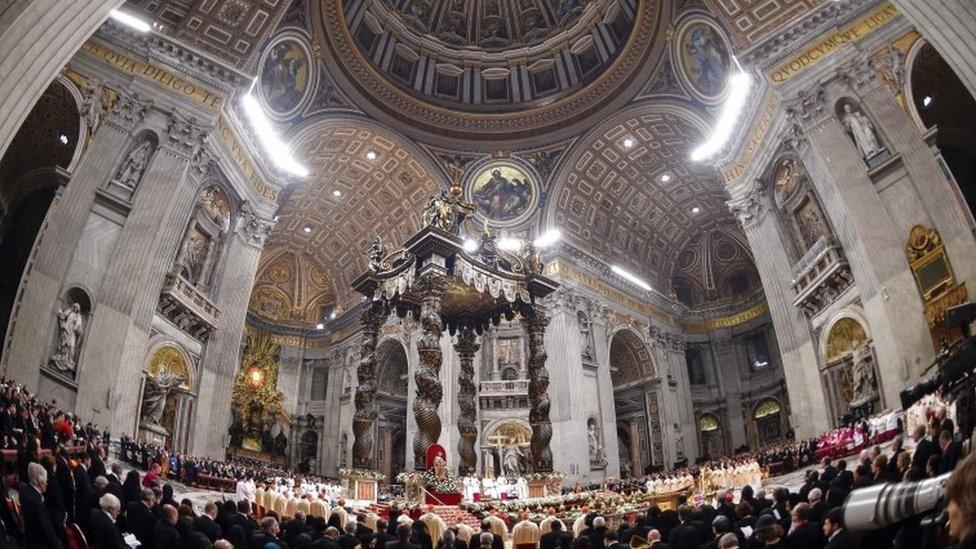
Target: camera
{"points": [[885, 504]]}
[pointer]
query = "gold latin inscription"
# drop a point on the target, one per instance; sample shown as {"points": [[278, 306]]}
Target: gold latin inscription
{"points": [[244, 161], [158, 75], [853, 32]]}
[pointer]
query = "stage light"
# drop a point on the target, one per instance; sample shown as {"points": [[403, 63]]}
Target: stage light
{"points": [[306, 229], [277, 150], [738, 92], [630, 277], [470, 245], [332, 315], [628, 143], [547, 238], [695, 210], [509, 244], [320, 326], [665, 177], [370, 155], [337, 193], [130, 21]]}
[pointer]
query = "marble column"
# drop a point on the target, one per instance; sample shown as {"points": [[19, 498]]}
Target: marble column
{"points": [[365, 415], [799, 356], [950, 25], [537, 321], [32, 322], [119, 333], [467, 403], [221, 359], [868, 224], [427, 378], [37, 38]]}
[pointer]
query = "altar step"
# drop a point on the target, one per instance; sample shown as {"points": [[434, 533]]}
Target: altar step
{"points": [[453, 514]]}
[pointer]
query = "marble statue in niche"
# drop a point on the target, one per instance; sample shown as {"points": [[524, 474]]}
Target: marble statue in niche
{"points": [[861, 130], [512, 463], [344, 450], [863, 383], [679, 443], [70, 326], [192, 255], [598, 454], [586, 336], [154, 395], [134, 167]]}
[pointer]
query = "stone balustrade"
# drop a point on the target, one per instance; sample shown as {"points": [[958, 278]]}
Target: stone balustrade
{"points": [[820, 276], [181, 303]]}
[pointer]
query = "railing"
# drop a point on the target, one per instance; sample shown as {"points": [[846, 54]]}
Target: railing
{"points": [[809, 259], [508, 387], [191, 298]]}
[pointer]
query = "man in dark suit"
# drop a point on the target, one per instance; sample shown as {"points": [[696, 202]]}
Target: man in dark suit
{"points": [[105, 535], [381, 536], [66, 481], [84, 491], [556, 538], [363, 533], [596, 532], [403, 538], [269, 533], [243, 519], [39, 532], [837, 536], [475, 543], [844, 475], [206, 523], [165, 535], [951, 450], [687, 534], [114, 484], [139, 518], [611, 540], [348, 538], [721, 525], [924, 448], [803, 533]]}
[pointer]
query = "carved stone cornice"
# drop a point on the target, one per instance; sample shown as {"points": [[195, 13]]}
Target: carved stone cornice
{"points": [[203, 163], [748, 203], [252, 228], [129, 109]]}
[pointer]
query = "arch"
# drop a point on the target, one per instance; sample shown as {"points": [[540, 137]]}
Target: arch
{"points": [[766, 407], [308, 446], [708, 422], [516, 431], [169, 355], [630, 359], [847, 327], [391, 367]]}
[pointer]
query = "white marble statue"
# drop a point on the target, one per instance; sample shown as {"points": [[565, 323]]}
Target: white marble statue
{"points": [[597, 453], [862, 374], [512, 464], [861, 130], [130, 174], [154, 395], [70, 326]]}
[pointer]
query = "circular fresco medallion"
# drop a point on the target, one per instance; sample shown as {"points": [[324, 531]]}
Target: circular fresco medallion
{"points": [[703, 59], [287, 75], [503, 191]]}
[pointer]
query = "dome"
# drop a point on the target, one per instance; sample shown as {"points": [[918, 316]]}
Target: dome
{"points": [[489, 70]]}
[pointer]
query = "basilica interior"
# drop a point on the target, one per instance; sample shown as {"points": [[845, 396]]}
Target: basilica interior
{"points": [[330, 235]]}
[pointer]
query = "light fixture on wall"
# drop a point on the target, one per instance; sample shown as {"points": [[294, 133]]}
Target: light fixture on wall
{"points": [[739, 84], [927, 100], [630, 277], [275, 148], [63, 139], [547, 238], [320, 326], [130, 21]]}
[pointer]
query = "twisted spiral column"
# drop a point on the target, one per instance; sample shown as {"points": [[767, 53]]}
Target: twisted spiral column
{"points": [[427, 378], [538, 319], [466, 348], [365, 415]]}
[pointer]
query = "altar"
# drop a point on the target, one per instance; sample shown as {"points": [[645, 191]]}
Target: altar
{"points": [[441, 279]]}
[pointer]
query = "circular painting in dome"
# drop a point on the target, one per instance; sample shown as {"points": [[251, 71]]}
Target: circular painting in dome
{"points": [[504, 192], [286, 75], [703, 59]]}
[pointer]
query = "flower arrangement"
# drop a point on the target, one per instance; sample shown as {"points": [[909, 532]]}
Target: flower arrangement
{"points": [[363, 473], [447, 486]]}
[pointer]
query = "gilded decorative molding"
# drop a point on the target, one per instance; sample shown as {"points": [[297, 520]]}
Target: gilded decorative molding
{"points": [[727, 321]]}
